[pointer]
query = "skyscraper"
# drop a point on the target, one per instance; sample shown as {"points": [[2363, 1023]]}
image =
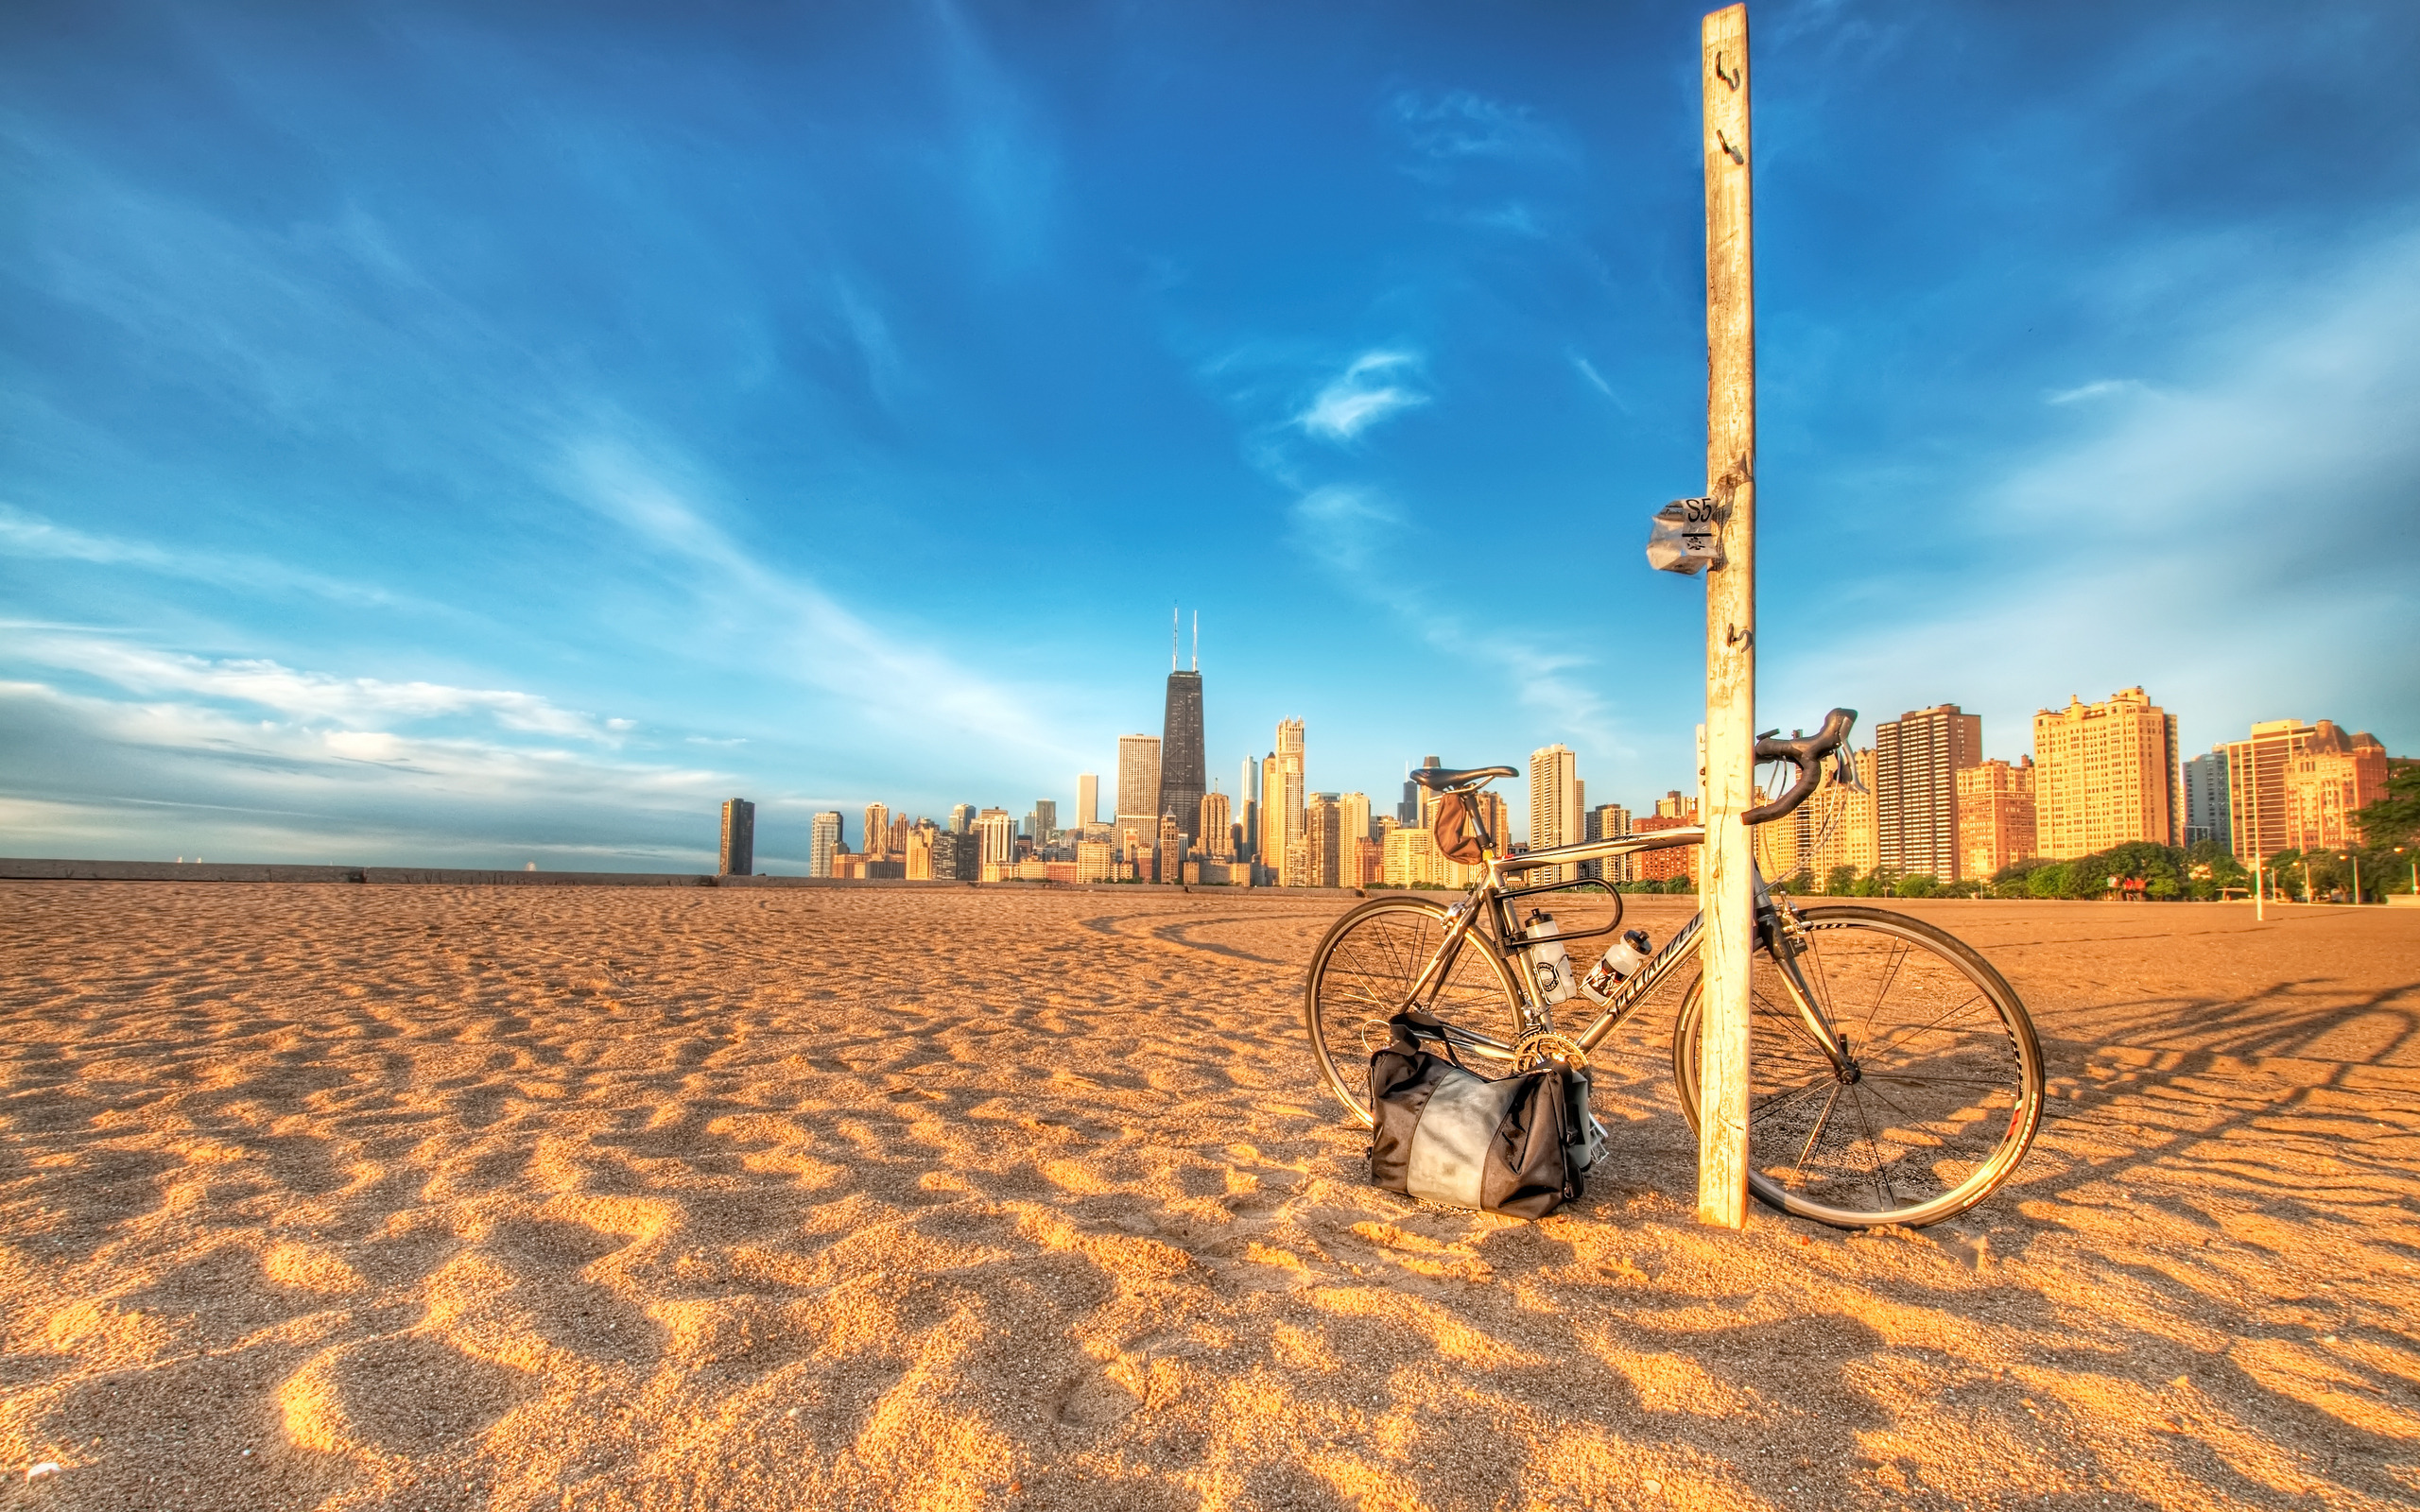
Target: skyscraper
{"points": [[738, 857], [1213, 827], [1248, 807], [1282, 815], [1322, 836], [2335, 775], [1917, 758], [1046, 819], [1183, 777], [1413, 809], [998, 833], [1355, 808], [1995, 816], [1609, 821], [2205, 799], [961, 819], [824, 844], [1555, 804], [2293, 785], [943, 856], [1087, 799], [877, 835], [2104, 774], [1138, 782]]}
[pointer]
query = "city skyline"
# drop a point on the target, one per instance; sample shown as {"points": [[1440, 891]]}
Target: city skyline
{"points": [[423, 448], [2109, 773]]}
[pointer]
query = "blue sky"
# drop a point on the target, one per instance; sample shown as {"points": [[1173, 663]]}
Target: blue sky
{"points": [[481, 433]]}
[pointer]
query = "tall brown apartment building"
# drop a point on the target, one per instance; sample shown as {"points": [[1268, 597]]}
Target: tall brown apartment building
{"points": [[2293, 786], [1324, 835], [1917, 758], [2106, 774], [1995, 816]]}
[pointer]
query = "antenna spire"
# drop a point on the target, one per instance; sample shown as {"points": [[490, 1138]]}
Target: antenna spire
{"points": [[1176, 627], [1197, 640]]}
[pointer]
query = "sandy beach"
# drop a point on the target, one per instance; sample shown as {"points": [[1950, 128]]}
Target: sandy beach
{"points": [[389, 1196]]}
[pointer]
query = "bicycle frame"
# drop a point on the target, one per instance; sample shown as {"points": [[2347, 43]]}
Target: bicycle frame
{"points": [[1493, 899]]}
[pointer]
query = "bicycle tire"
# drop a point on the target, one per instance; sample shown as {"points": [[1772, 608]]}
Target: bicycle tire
{"points": [[1949, 1086], [1362, 975]]}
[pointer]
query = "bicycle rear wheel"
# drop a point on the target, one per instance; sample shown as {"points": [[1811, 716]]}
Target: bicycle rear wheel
{"points": [[1363, 975], [1944, 1095]]}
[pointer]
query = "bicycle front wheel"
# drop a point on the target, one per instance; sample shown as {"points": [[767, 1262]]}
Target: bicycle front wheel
{"points": [[1364, 973], [1943, 1089]]}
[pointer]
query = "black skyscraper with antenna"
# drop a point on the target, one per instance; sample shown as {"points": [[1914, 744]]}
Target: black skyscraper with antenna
{"points": [[1183, 774]]}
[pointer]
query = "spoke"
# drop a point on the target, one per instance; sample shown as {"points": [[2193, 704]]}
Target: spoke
{"points": [[1904, 1036], [1821, 987], [1397, 945], [1881, 1171], [1813, 1134], [1900, 950], [1910, 1114], [1786, 1015], [1781, 1100]]}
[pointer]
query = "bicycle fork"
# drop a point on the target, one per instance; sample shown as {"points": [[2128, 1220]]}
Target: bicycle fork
{"points": [[1778, 923]]}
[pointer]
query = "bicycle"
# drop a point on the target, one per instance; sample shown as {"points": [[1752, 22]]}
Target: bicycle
{"points": [[1895, 1077]]}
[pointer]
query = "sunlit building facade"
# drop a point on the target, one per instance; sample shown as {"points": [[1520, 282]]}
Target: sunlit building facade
{"points": [[2106, 774], [1556, 806], [1995, 816], [824, 842], [1138, 782]]}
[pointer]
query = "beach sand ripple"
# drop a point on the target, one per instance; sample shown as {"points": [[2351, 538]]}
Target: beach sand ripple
{"points": [[364, 1197]]}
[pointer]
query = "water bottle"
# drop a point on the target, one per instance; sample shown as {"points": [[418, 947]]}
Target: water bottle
{"points": [[1549, 962], [1623, 959]]}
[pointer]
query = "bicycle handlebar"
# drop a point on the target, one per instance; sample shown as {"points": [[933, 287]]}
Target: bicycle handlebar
{"points": [[1806, 754]]}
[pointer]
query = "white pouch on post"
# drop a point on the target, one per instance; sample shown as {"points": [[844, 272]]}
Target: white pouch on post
{"points": [[1682, 538]]}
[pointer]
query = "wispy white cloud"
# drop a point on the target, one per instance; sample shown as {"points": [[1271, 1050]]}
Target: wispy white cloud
{"points": [[27, 535], [1513, 218], [1362, 538], [2098, 389], [1007, 164], [1460, 125], [800, 632], [358, 706], [1376, 385], [150, 775], [1595, 379]]}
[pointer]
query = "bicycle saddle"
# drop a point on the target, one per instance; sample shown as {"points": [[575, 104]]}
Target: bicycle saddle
{"points": [[1438, 778]]}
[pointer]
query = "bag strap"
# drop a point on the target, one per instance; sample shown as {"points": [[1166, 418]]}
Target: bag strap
{"points": [[1417, 1028]]}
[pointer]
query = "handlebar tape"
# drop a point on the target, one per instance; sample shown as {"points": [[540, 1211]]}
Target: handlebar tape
{"points": [[1806, 754]]}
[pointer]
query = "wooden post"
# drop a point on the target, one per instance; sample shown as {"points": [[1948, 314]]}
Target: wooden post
{"points": [[1726, 890]]}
